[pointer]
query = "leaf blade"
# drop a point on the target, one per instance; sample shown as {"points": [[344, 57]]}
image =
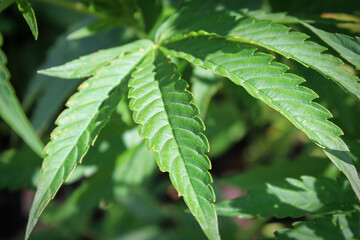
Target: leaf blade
{"points": [[346, 46], [28, 13], [274, 37], [94, 61], [290, 198], [268, 82], [78, 127], [174, 133], [11, 111]]}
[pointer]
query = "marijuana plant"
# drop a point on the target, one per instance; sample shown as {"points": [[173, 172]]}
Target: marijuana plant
{"points": [[244, 47]]}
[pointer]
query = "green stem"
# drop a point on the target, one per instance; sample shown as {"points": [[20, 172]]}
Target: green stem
{"points": [[5, 3]]}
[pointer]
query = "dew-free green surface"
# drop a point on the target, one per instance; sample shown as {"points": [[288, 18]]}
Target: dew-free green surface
{"points": [[268, 81], [169, 121], [78, 126], [11, 111], [290, 198]]}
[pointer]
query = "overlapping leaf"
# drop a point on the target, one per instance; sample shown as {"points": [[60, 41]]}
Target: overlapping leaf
{"points": [[87, 113], [275, 37], [346, 46], [267, 81], [11, 111], [169, 122], [340, 226], [290, 198]]}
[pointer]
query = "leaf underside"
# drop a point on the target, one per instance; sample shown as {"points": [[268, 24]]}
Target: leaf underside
{"points": [[78, 126], [289, 198], [11, 111], [169, 121], [268, 81]]}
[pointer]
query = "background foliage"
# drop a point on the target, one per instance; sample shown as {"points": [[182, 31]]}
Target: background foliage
{"points": [[282, 184]]}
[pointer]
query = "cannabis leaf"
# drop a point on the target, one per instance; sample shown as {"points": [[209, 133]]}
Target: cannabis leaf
{"points": [[346, 46], [268, 82], [169, 122], [87, 113], [273, 36]]}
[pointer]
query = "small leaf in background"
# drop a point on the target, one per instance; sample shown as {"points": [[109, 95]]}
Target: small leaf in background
{"points": [[11, 111], [16, 161], [29, 15], [255, 177], [338, 227], [290, 198], [205, 84], [5, 3], [91, 29]]}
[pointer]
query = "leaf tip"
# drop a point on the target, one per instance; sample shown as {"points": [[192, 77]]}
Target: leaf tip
{"points": [[29, 228], [45, 71]]}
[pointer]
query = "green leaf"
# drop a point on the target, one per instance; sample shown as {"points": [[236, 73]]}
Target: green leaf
{"points": [[74, 213], [92, 29], [346, 46], [79, 125], [267, 81], [273, 17], [340, 226], [302, 166], [354, 146], [51, 94], [134, 166], [290, 198], [5, 3], [224, 132], [11, 111], [275, 37], [87, 65], [15, 161], [29, 16], [169, 122], [205, 84]]}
